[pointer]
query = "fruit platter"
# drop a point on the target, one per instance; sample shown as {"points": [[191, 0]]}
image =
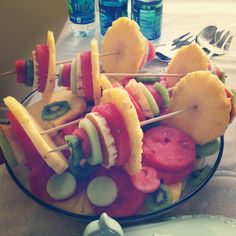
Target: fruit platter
{"points": [[103, 136]]}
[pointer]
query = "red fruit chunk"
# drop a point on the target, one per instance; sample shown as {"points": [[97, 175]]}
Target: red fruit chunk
{"points": [[20, 66], [152, 51], [119, 131], [42, 57], [32, 155], [81, 134], [129, 200], [147, 180], [169, 149], [65, 80], [38, 178], [69, 130], [164, 81], [173, 177], [86, 70], [155, 94]]}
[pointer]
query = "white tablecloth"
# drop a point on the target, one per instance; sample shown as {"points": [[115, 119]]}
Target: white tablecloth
{"points": [[21, 216]]}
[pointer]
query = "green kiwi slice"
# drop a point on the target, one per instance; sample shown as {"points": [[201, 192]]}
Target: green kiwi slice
{"points": [[208, 149], [159, 199], [55, 110], [29, 78], [198, 176], [6, 150], [148, 80], [162, 90], [76, 149]]}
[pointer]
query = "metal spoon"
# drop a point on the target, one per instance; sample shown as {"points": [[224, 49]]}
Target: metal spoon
{"points": [[206, 36]]}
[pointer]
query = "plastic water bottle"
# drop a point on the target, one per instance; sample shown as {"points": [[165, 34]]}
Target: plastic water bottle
{"points": [[110, 10], [148, 14], [82, 17]]}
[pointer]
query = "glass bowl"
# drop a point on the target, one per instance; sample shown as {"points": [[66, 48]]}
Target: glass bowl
{"points": [[187, 193]]}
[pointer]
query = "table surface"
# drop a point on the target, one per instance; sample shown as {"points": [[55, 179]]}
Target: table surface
{"points": [[21, 216]]}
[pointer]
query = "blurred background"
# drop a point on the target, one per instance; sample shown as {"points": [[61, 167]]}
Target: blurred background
{"points": [[23, 24]]}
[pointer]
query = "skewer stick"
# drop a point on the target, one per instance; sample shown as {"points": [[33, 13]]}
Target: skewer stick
{"points": [[11, 72], [101, 55], [146, 75], [60, 127], [66, 146]]}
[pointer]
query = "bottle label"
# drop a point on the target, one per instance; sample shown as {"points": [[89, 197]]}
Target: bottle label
{"points": [[110, 11], [81, 11], [149, 17]]}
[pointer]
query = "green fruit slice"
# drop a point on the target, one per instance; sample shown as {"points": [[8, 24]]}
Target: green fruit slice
{"points": [[148, 80], [96, 151], [198, 176], [159, 199], [208, 149], [55, 110], [29, 78], [150, 99], [102, 191], [7, 151], [60, 187], [162, 90]]}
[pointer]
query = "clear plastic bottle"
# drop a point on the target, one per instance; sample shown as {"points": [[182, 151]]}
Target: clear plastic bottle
{"points": [[110, 10], [148, 14], [82, 17]]}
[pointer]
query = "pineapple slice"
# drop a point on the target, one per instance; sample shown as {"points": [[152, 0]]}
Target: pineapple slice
{"points": [[50, 85], [95, 71], [211, 116], [77, 104], [188, 58], [124, 37], [105, 82], [78, 204], [43, 143], [120, 98], [176, 190], [134, 89]]}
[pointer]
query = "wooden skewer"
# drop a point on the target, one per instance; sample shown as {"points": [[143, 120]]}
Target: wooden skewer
{"points": [[60, 127], [146, 75], [66, 146]]}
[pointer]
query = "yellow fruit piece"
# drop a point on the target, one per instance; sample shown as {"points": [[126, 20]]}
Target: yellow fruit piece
{"points": [[187, 59], [124, 37], [105, 82], [43, 143], [120, 98], [137, 93], [78, 204], [176, 190], [50, 85], [95, 71], [211, 116], [78, 106]]}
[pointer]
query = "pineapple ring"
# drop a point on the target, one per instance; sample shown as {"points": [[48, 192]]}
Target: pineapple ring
{"points": [[95, 71], [50, 84], [120, 98], [125, 37], [188, 58], [212, 114]]}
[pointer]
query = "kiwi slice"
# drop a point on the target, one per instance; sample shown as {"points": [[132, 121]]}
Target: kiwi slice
{"points": [[198, 176], [55, 110], [162, 90], [6, 150], [82, 172], [29, 78], [148, 80], [159, 199], [76, 149], [208, 149]]}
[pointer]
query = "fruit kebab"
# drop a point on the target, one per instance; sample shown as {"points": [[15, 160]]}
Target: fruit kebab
{"points": [[107, 148]]}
